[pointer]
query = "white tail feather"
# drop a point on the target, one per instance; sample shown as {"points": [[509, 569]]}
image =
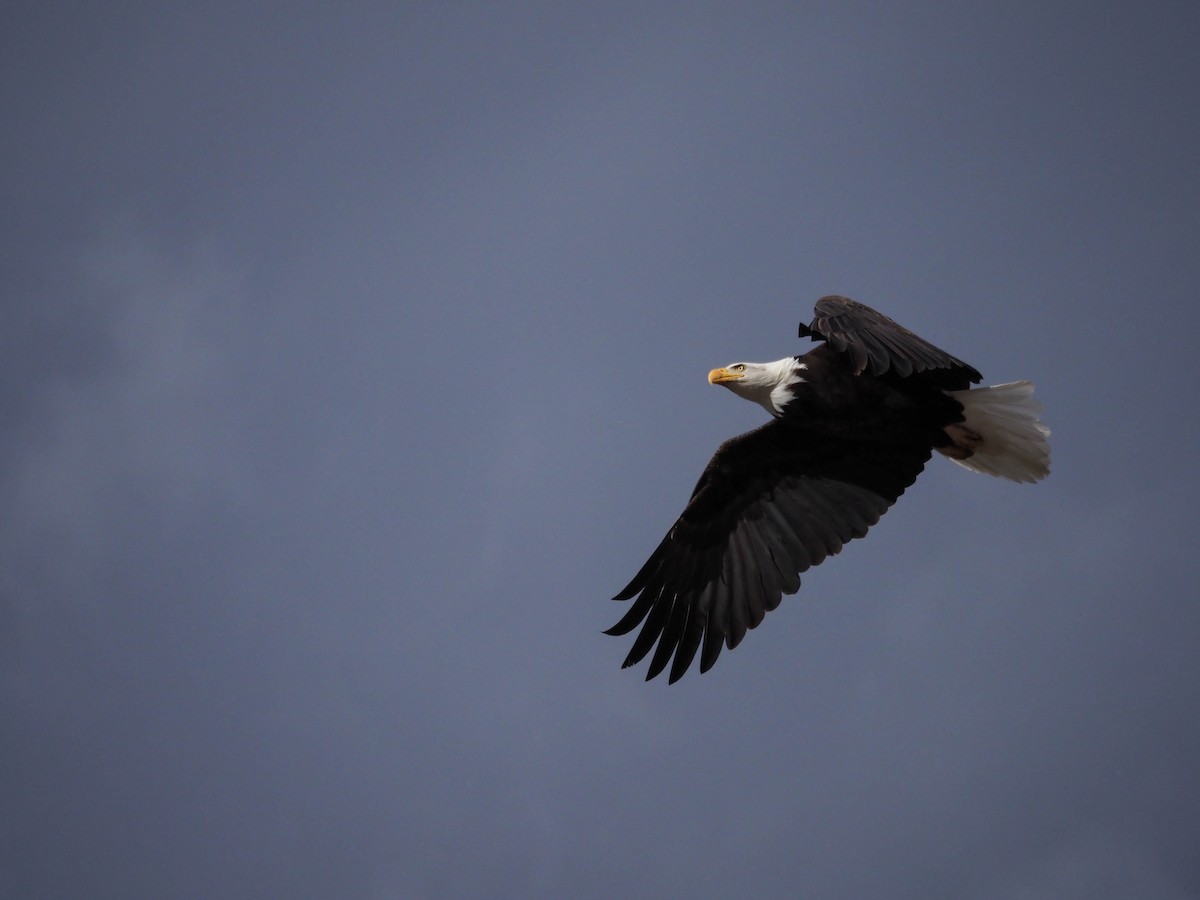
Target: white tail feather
{"points": [[1013, 444]]}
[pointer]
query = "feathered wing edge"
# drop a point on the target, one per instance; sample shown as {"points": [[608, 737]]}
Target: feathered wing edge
{"points": [[875, 342], [737, 549], [776, 540]]}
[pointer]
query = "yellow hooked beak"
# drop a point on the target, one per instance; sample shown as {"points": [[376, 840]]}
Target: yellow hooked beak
{"points": [[720, 376]]}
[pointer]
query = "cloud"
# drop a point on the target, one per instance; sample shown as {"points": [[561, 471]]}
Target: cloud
{"points": [[137, 442], [158, 412]]}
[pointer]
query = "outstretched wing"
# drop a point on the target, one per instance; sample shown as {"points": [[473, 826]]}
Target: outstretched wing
{"points": [[770, 504], [876, 342]]}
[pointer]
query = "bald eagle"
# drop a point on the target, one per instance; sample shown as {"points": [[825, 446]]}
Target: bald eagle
{"points": [[853, 423]]}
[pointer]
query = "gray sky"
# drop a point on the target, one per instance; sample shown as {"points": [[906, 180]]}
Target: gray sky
{"points": [[351, 360]]}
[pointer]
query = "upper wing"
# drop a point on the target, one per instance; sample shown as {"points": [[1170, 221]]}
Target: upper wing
{"points": [[873, 340], [771, 503]]}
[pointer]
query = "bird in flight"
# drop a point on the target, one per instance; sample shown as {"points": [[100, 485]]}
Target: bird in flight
{"points": [[853, 423]]}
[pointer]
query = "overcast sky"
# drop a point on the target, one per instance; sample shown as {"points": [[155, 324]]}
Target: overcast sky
{"points": [[352, 359]]}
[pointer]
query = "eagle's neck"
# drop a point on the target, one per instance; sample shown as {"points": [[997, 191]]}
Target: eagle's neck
{"points": [[773, 385]]}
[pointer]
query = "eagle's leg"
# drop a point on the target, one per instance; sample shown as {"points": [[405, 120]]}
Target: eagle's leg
{"points": [[963, 442]]}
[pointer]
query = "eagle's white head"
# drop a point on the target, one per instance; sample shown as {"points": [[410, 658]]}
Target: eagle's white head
{"points": [[771, 385]]}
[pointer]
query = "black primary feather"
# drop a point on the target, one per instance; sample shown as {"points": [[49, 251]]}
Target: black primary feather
{"points": [[875, 342], [765, 511]]}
